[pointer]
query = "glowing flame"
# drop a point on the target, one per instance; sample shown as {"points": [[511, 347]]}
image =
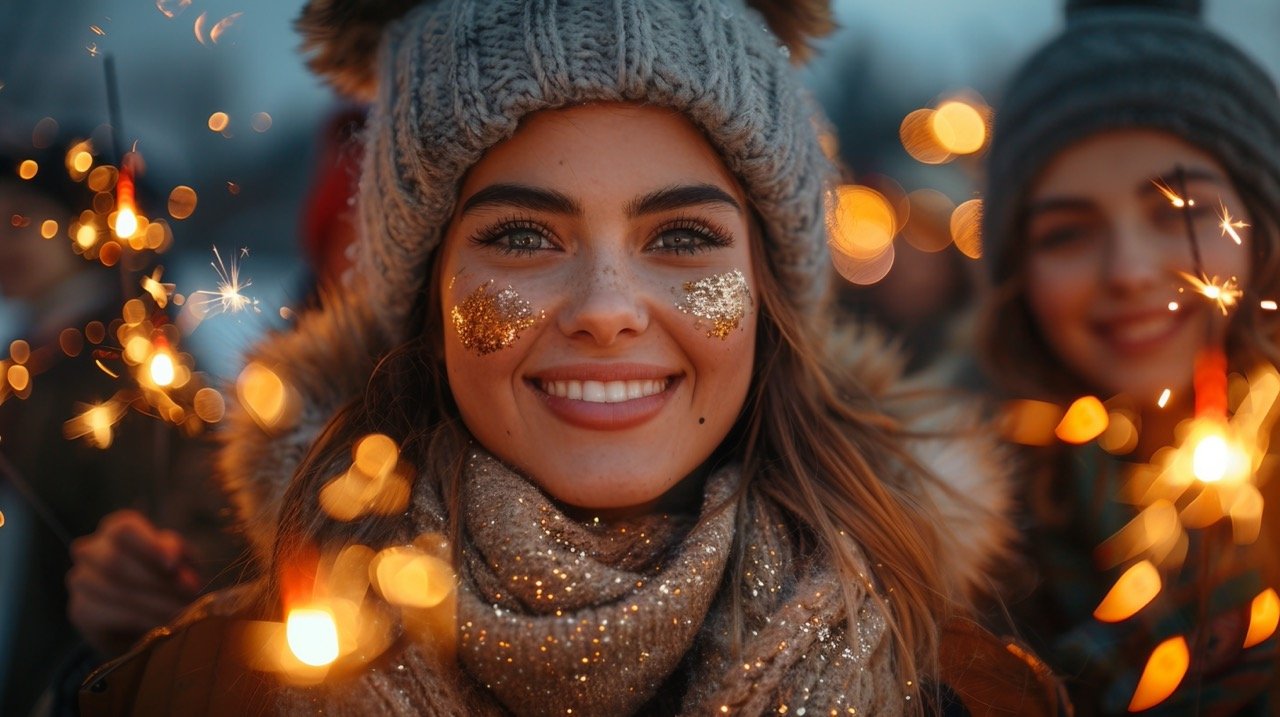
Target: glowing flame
{"points": [[1137, 587], [312, 635], [1216, 454], [1084, 421], [1171, 195], [126, 223], [1225, 293], [161, 368], [1164, 672], [1229, 225], [1264, 615], [95, 423]]}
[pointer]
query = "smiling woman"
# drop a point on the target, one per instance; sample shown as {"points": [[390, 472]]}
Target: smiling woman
{"points": [[590, 332]]}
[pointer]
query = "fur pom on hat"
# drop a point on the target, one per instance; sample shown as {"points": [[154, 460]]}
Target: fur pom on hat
{"points": [[456, 77], [342, 36]]}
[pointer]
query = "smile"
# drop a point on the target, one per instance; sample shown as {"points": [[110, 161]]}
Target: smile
{"points": [[604, 391], [606, 397], [1142, 333]]}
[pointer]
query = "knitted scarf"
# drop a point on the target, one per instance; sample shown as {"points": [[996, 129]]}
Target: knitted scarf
{"points": [[558, 617]]}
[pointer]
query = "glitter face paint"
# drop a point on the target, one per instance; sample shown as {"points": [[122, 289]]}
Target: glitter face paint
{"points": [[718, 302], [488, 322]]}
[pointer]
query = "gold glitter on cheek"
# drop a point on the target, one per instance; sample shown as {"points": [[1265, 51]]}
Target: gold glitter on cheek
{"points": [[487, 322], [720, 300]]}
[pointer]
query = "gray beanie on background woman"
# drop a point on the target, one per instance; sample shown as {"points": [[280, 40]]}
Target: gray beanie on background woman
{"points": [[453, 78], [1131, 64]]}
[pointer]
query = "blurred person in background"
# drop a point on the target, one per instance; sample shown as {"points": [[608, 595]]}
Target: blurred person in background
{"points": [[1088, 256], [81, 556]]}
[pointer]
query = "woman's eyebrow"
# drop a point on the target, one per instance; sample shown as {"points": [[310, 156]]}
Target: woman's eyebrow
{"points": [[522, 196], [1051, 204], [1172, 180], [678, 197]]}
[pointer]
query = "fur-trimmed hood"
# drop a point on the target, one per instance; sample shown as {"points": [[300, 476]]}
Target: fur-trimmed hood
{"points": [[327, 359]]}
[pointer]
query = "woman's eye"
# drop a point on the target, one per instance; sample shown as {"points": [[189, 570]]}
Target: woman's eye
{"points": [[1063, 238], [508, 239], [687, 240]]}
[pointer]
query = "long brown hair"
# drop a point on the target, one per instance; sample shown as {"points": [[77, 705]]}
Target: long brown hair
{"points": [[811, 440]]}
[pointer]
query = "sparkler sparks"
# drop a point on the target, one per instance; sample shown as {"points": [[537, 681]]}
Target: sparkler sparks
{"points": [[1223, 293], [228, 297], [1230, 225], [1174, 198]]}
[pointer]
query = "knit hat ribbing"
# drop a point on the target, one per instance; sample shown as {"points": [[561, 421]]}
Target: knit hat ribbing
{"points": [[1134, 64], [457, 76]]}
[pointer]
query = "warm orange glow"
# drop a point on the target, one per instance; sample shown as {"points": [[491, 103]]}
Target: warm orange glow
{"points": [[182, 202], [263, 395], [1264, 615], [95, 423], [1164, 672], [1268, 305], [161, 368], [1121, 436], [966, 228], [19, 350], [918, 138], [864, 272], [864, 222], [218, 121], [1171, 195], [126, 223], [1164, 398], [1029, 422], [1225, 294], [48, 229], [1230, 224], [409, 577], [209, 405], [28, 169], [959, 127], [312, 636], [86, 236], [1084, 421], [18, 377], [81, 161], [1133, 590], [221, 26]]}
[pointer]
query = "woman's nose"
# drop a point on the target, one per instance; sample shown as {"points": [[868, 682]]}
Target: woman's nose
{"points": [[607, 302], [1138, 258]]}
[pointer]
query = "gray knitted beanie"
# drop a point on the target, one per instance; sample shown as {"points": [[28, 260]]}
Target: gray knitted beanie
{"points": [[1127, 64], [455, 77]]}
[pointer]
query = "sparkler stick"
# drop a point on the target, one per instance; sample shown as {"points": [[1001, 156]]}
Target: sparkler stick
{"points": [[113, 109], [10, 473]]}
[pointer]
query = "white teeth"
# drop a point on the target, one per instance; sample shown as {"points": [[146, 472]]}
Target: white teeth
{"points": [[605, 391]]}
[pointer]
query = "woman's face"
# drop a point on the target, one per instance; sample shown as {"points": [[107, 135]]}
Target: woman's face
{"points": [[598, 308], [1105, 248]]}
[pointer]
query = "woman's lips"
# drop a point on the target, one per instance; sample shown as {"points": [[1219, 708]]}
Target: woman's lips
{"points": [[1141, 333], [605, 398]]}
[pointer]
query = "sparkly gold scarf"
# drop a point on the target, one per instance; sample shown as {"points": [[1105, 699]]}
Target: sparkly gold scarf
{"points": [[557, 617]]}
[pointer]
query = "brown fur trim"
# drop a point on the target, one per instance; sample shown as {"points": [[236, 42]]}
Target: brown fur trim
{"points": [[796, 22], [324, 362], [342, 39]]}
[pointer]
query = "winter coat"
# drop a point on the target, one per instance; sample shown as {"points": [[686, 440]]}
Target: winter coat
{"points": [[326, 361]]}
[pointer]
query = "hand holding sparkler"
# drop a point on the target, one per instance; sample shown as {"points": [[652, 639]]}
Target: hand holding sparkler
{"points": [[127, 578]]}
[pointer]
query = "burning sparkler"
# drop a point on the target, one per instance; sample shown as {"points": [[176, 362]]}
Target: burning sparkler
{"points": [[1230, 224], [1224, 294], [228, 297]]}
